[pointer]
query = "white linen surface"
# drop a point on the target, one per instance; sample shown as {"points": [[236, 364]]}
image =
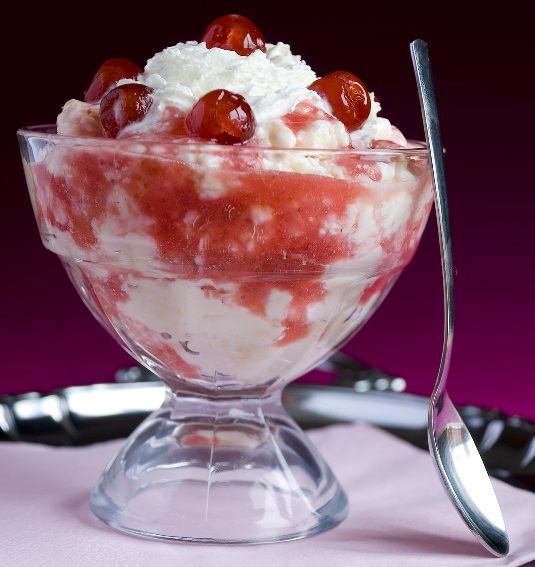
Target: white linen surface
{"points": [[400, 515]]}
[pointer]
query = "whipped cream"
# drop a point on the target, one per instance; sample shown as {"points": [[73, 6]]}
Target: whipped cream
{"points": [[274, 83]]}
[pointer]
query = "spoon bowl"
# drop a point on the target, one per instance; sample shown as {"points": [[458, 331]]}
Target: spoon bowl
{"points": [[456, 458]]}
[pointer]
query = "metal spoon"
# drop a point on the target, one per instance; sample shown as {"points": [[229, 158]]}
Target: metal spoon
{"points": [[456, 457]]}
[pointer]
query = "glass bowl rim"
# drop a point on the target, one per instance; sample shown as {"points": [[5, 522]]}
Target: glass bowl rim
{"points": [[415, 148]]}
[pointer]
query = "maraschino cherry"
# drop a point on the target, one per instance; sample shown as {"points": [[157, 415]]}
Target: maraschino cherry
{"points": [[349, 98], [234, 33], [107, 76], [223, 117], [124, 105]]}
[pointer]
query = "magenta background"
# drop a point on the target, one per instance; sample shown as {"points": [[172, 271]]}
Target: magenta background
{"points": [[483, 68]]}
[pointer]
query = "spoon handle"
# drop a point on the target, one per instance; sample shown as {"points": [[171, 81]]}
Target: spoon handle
{"points": [[426, 92]]}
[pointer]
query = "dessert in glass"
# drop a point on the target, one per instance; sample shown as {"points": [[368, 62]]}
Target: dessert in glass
{"points": [[232, 220]]}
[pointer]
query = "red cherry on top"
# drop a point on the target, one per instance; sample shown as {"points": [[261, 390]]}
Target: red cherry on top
{"points": [[234, 33], [124, 105], [107, 75], [349, 99], [221, 116]]}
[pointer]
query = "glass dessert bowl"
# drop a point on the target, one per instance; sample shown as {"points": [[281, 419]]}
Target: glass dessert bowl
{"points": [[229, 271]]}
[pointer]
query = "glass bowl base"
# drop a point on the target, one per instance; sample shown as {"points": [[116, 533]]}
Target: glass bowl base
{"points": [[219, 470]]}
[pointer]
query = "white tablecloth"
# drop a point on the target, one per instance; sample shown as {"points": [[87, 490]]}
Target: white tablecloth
{"points": [[399, 516]]}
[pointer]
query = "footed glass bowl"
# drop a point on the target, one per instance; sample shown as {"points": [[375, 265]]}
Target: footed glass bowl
{"points": [[229, 271]]}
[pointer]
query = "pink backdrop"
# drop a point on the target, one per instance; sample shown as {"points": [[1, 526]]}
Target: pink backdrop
{"points": [[481, 63]]}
